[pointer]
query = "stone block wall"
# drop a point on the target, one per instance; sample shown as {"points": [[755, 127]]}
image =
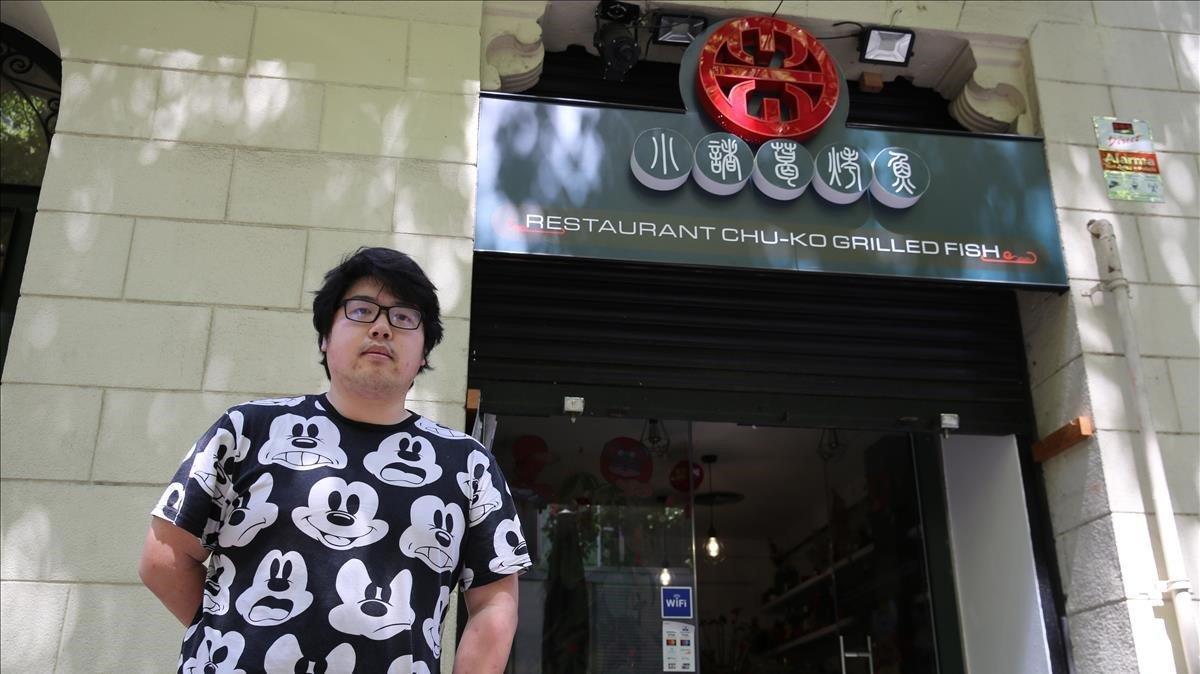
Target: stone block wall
{"points": [[1129, 60], [212, 161], [214, 158]]}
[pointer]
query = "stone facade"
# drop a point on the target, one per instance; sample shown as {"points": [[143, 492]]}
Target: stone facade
{"points": [[214, 158]]}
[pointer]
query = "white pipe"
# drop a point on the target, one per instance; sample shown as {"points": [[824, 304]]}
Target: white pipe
{"points": [[1177, 588]]}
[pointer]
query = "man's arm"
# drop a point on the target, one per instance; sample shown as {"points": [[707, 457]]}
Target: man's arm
{"points": [[172, 566], [491, 624]]}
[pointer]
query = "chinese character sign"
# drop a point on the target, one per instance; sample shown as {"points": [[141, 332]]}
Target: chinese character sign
{"points": [[842, 173], [782, 169], [723, 163], [661, 159], [900, 177]]}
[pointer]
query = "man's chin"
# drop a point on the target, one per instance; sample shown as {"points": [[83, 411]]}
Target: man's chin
{"points": [[376, 384]]}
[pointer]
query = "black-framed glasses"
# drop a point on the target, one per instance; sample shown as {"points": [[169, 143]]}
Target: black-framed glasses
{"points": [[401, 316]]}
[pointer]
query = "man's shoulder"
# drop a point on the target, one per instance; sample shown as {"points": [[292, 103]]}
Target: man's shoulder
{"points": [[431, 428], [269, 408]]}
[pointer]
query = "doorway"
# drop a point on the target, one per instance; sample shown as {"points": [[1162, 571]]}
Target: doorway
{"points": [[822, 551], [758, 362]]}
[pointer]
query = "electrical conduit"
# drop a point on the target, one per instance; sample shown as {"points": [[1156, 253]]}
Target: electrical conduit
{"points": [[1176, 589]]}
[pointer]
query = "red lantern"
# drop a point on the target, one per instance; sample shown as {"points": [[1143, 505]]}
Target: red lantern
{"points": [[679, 476], [625, 459]]}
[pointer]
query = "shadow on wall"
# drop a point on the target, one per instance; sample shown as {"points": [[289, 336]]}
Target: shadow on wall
{"points": [[180, 119]]}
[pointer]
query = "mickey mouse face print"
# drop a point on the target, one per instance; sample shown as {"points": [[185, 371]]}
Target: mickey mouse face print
{"points": [[476, 485], [279, 592], [372, 607], [404, 460], [248, 513], [171, 501], [432, 627], [436, 533], [341, 515], [285, 657], [217, 584], [439, 430], [303, 444], [217, 654], [512, 554], [213, 466]]}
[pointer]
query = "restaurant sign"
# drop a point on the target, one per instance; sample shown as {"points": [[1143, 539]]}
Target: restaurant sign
{"points": [[763, 172]]}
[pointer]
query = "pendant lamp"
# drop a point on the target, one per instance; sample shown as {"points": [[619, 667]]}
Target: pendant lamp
{"points": [[714, 551]]}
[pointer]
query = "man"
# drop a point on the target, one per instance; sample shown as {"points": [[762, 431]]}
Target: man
{"points": [[335, 526]]}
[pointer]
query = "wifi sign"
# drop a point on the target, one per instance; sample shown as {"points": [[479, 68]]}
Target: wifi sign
{"points": [[677, 602]]}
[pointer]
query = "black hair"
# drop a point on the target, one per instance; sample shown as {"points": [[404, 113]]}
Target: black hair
{"points": [[397, 273]]}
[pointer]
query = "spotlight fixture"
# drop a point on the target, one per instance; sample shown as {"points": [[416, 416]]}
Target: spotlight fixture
{"points": [[618, 50], [886, 45], [678, 29]]}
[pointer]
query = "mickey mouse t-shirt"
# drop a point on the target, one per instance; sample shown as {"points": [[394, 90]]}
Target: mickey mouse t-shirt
{"points": [[335, 543]]}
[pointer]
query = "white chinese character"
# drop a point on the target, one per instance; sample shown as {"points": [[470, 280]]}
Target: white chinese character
{"points": [[667, 152], [722, 157], [902, 170], [786, 169], [844, 160]]}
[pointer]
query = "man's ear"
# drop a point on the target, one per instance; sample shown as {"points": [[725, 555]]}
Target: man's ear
{"points": [[324, 344]]}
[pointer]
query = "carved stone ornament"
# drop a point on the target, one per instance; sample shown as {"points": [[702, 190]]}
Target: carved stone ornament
{"points": [[991, 79], [512, 51]]}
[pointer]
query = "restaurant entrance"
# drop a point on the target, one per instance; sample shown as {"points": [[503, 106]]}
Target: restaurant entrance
{"points": [[800, 420]]}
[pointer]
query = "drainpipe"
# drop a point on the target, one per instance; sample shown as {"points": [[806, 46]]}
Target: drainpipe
{"points": [[1176, 590]]}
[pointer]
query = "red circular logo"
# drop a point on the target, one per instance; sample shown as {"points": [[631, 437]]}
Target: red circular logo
{"points": [[773, 65]]}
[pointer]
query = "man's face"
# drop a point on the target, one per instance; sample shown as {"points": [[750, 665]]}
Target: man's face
{"points": [[375, 360]]}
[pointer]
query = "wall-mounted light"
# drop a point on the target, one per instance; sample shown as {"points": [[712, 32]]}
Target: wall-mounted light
{"points": [[886, 45], [678, 29]]}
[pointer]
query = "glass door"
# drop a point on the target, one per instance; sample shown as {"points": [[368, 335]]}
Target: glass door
{"points": [[606, 507], [823, 558]]}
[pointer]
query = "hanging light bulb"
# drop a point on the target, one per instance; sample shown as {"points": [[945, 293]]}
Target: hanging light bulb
{"points": [[713, 549], [712, 546], [664, 576]]}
